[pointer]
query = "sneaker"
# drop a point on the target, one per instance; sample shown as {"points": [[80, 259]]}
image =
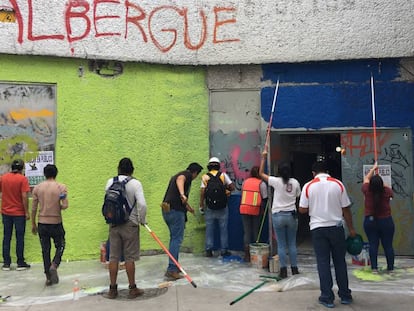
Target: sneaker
{"points": [[5, 267], [48, 282], [327, 304], [374, 271], [54, 278], [135, 292], [209, 253], [173, 275], [23, 266], [391, 272], [225, 254], [112, 293], [346, 301]]}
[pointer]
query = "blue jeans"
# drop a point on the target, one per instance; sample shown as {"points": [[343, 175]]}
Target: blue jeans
{"points": [[19, 222], [380, 230], [175, 221], [285, 226], [327, 242], [222, 216]]}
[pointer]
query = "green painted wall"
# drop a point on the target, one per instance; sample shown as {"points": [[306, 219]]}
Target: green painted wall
{"points": [[155, 114]]}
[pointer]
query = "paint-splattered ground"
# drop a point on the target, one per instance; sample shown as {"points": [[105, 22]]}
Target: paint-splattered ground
{"points": [[27, 287]]}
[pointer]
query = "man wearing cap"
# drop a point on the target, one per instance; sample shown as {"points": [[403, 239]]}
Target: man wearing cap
{"points": [[14, 187], [211, 215]]}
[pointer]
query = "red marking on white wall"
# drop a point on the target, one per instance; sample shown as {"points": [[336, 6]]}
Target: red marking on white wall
{"points": [[134, 18]]}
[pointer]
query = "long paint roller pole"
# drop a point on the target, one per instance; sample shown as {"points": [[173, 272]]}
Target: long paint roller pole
{"points": [[248, 293], [271, 115], [269, 198], [171, 256], [374, 125]]}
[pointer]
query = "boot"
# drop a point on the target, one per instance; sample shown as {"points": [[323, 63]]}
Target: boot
{"points": [[134, 291], [283, 273], [295, 270], [112, 293], [247, 254]]}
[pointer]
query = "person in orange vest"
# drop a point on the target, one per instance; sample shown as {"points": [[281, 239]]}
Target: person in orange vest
{"points": [[253, 201]]}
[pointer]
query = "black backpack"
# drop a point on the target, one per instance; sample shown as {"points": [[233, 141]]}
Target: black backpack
{"points": [[115, 208], [215, 192]]}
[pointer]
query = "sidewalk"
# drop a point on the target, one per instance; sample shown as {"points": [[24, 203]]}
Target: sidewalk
{"points": [[218, 284]]}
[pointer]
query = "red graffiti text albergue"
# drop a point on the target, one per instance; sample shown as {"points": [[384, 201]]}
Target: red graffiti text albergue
{"points": [[135, 18]]}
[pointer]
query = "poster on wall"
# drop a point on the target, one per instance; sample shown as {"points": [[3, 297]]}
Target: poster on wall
{"points": [[27, 120], [383, 170], [34, 165]]}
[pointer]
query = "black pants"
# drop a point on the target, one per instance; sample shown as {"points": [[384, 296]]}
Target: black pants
{"points": [[46, 233]]}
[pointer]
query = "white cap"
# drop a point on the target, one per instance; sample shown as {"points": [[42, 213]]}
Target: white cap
{"points": [[213, 160]]}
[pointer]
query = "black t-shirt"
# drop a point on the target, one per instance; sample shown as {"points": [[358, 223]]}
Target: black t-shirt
{"points": [[172, 195]]}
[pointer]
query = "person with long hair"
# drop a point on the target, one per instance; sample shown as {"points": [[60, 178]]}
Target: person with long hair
{"points": [[378, 223], [252, 205], [284, 214]]}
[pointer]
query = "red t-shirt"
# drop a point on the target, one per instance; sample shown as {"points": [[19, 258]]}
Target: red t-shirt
{"points": [[384, 208], [12, 185]]}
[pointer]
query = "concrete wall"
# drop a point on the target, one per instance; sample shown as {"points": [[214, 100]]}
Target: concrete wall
{"points": [[156, 115], [209, 32], [334, 97]]}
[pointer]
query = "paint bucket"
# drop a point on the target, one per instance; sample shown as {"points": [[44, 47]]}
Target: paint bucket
{"points": [[259, 255], [274, 264]]}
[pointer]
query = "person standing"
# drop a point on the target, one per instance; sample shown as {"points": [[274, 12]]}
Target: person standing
{"points": [[216, 213], [174, 211], [284, 215], [52, 198], [14, 187], [378, 222], [326, 200], [252, 204], [124, 238]]}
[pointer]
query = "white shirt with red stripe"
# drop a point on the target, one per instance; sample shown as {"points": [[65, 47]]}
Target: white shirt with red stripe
{"points": [[325, 197]]}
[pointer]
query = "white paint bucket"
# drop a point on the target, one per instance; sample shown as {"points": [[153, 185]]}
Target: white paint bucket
{"points": [[259, 255]]}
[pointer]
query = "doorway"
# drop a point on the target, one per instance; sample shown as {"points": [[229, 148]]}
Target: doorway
{"points": [[302, 150]]}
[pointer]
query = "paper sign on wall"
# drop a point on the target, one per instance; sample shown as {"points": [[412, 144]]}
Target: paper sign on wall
{"points": [[383, 170], [34, 165]]}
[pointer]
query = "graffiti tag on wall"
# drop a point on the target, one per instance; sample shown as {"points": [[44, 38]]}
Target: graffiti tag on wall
{"points": [[390, 151], [238, 154], [82, 20]]}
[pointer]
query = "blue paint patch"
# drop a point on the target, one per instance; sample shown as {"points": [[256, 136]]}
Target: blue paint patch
{"points": [[337, 94], [332, 72]]}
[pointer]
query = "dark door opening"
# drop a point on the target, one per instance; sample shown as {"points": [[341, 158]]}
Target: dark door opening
{"points": [[302, 150]]}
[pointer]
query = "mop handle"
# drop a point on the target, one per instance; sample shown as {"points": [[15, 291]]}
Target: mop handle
{"points": [[171, 256], [248, 293]]}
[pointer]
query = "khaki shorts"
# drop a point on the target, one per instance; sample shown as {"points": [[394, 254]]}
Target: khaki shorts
{"points": [[124, 238]]}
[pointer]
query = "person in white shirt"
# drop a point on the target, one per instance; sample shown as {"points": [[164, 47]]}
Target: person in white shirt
{"points": [[284, 216], [327, 202]]}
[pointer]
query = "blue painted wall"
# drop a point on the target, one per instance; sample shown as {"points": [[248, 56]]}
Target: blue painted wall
{"points": [[316, 96], [338, 94]]}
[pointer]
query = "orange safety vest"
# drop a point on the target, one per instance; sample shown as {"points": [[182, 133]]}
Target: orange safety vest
{"points": [[251, 197]]}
